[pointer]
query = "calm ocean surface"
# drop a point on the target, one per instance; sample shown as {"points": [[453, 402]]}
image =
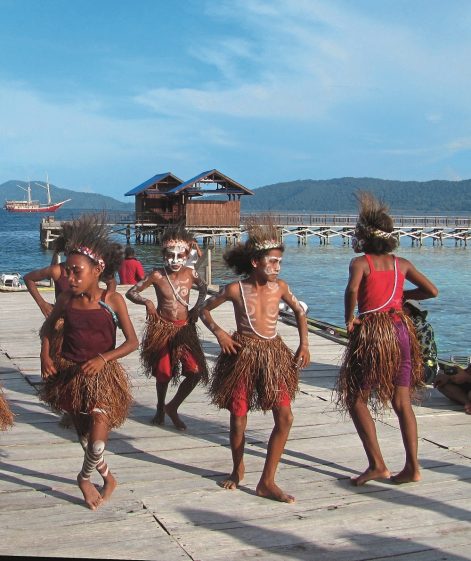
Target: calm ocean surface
{"points": [[317, 274]]}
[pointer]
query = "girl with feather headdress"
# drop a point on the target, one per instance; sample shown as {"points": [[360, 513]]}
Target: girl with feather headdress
{"points": [[382, 363], [85, 379]]}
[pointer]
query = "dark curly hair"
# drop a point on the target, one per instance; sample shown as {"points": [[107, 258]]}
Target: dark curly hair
{"points": [[375, 226], [177, 232], [91, 231], [261, 231]]}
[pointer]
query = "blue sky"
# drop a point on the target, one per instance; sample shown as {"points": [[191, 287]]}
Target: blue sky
{"points": [[103, 94]]}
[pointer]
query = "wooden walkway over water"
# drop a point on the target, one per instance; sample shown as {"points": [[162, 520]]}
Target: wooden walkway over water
{"points": [[301, 226], [168, 505]]}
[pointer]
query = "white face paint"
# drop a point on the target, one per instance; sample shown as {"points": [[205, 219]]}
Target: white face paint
{"points": [[272, 265], [175, 257]]}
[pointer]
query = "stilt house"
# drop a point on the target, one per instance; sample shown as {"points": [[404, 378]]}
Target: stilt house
{"points": [[166, 199]]}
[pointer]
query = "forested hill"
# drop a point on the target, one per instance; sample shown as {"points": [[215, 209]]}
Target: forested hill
{"points": [[79, 200], [309, 195], [338, 195]]}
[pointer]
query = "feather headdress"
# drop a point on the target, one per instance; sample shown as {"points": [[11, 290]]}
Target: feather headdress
{"points": [[90, 235], [263, 235]]}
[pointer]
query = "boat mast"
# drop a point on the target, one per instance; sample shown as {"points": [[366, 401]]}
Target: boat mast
{"points": [[48, 190], [27, 189]]}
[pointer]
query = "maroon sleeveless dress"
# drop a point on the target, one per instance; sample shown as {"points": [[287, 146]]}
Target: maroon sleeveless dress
{"points": [[88, 333]]}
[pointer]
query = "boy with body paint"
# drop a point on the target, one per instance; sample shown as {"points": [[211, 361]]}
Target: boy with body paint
{"points": [[170, 341], [255, 369]]}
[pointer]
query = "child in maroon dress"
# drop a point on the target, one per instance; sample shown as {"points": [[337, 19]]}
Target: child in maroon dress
{"points": [[382, 363], [85, 380]]}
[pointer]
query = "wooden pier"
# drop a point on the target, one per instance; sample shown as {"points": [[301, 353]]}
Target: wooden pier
{"points": [[324, 228], [168, 505]]}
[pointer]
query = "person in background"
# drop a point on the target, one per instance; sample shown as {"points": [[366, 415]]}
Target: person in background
{"points": [[131, 270], [426, 337], [194, 255], [54, 272], [455, 383]]}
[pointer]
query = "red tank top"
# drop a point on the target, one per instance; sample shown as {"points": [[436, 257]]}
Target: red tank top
{"points": [[62, 283], [87, 333], [377, 288]]}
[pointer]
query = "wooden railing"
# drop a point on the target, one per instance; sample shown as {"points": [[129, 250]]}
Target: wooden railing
{"points": [[349, 220]]}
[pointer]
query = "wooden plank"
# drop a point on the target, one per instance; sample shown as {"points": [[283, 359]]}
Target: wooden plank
{"points": [[169, 504]]}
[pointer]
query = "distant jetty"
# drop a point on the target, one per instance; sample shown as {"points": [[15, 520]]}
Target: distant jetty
{"points": [[324, 228]]}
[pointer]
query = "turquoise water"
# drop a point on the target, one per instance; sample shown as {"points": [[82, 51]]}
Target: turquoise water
{"points": [[316, 273]]}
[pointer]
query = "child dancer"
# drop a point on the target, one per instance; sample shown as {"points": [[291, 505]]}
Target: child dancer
{"points": [[85, 380], [56, 272], [382, 362], [170, 337], [255, 369]]}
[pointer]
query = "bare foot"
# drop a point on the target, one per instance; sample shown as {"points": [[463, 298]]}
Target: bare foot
{"points": [[159, 417], [65, 421], [172, 413], [371, 474], [232, 482], [109, 486], [407, 475], [91, 495], [467, 408], [273, 492]]}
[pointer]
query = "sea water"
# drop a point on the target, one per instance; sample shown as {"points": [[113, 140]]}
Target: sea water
{"points": [[316, 273]]}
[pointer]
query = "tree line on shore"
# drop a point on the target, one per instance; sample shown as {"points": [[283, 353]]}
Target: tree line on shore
{"points": [[306, 195]]}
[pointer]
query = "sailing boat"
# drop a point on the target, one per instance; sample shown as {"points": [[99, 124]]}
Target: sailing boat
{"points": [[34, 206]]}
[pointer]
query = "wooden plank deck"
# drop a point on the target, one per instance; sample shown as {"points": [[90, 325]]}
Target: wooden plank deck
{"points": [[168, 505]]}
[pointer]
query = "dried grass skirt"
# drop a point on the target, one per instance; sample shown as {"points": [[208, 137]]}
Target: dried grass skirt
{"points": [[372, 361], [75, 392], [159, 334], [264, 367], [6, 416]]}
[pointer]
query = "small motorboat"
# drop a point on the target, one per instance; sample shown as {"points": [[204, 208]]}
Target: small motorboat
{"points": [[11, 280]]}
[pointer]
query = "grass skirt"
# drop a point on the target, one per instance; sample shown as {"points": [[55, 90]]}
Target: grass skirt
{"points": [[6, 416], [75, 392], [372, 360], [56, 335], [262, 366], [160, 333]]}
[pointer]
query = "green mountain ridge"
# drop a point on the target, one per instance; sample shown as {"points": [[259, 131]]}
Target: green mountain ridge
{"points": [[79, 200], [303, 195], [337, 195]]}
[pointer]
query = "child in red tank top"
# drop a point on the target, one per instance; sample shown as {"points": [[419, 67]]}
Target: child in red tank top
{"points": [[382, 363], [85, 379]]}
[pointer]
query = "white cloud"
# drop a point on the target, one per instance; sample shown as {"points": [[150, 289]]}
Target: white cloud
{"points": [[307, 59]]}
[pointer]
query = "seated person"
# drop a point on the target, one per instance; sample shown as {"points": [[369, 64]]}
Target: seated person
{"points": [[426, 338], [455, 383]]}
